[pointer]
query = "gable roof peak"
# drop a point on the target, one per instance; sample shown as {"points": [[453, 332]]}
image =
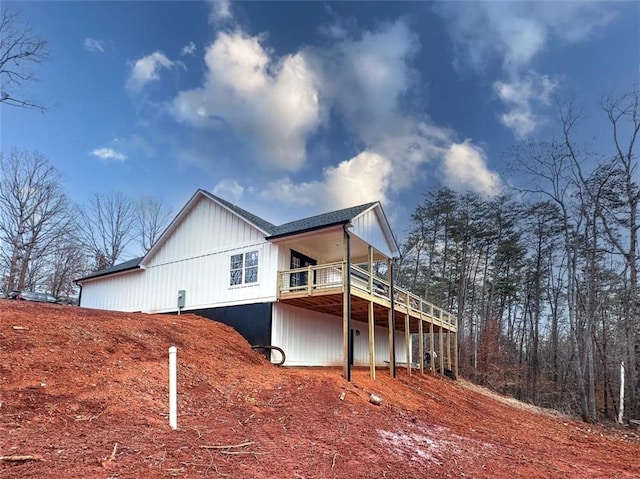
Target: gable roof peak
{"points": [[250, 217], [331, 218]]}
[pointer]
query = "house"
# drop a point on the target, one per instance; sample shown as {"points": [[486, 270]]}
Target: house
{"points": [[319, 288]]}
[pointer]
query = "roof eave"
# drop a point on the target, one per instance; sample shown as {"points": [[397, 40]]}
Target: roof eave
{"points": [[109, 273], [307, 230]]}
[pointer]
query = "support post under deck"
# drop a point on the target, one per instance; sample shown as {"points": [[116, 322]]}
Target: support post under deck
{"points": [[432, 346], [449, 365], [455, 350], [421, 344], [392, 323], [347, 347], [441, 354], [372, 342], [407, 345]]}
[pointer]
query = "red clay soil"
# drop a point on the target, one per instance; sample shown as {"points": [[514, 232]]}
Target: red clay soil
{"points": [[83, 394]]}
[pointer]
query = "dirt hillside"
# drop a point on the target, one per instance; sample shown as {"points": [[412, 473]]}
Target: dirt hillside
{"points": [[83, 393]]}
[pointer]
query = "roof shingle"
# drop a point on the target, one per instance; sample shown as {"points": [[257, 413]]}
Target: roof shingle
{"points": [[319, 221], [118, 268]]}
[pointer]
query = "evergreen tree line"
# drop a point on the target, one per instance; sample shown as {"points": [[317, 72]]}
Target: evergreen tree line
{"points": [[543, 279]]}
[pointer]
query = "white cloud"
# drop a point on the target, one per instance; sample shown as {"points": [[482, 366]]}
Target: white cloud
{"points": [[147, 69], [285, 191], [465, 168], [366, 78], [220, 11], [93, 45], [361, 179], [373, 176], [107, 154], [276, 104], [516, 33], [230, 190], [522, 98], [188, 49], [272, 101]]}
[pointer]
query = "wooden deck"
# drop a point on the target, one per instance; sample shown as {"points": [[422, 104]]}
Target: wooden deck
{"points": [[321, 288]]}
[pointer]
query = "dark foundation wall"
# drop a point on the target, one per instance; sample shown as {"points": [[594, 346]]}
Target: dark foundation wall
{"points": [[252, 321]]}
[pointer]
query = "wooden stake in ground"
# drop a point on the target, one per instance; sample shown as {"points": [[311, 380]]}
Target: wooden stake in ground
{"points": [[108, 460]]}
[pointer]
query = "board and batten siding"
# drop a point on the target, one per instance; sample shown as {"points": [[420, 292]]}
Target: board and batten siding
{"points": [[120, 292], [195, 257], [205, 280], [207, 227], [368, 227], [309, 338]]}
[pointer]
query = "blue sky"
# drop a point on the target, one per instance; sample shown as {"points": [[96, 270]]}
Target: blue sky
{"points": [[290, 109]]}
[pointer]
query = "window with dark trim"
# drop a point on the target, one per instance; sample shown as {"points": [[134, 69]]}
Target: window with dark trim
{"points": [[243, 268], [298, 260]]}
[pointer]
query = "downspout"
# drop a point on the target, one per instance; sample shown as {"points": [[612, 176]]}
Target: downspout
{"points": [[348, 286], [79, 285], [393, 324]]}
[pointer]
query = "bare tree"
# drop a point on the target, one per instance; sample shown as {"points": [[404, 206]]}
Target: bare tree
{"points": [[20, 51], [66, 263], [152, 216], [107, 226], [621, 218], [34, 215]]}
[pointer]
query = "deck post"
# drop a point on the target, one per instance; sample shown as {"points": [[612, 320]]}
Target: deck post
{"points": [[407, 343], [449, 364], [455, 351], [441, 341], [372, 342], [346, 306], [372, 322], [370, 269], [432, 346], [421, 343], [279, 284], [392, 323]]}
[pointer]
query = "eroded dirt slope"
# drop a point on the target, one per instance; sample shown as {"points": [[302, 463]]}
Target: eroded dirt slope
{"points": [[84, 394]]}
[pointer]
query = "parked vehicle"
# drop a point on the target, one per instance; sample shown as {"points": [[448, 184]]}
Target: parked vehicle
{"points": [[39, 297], [13, 294]]}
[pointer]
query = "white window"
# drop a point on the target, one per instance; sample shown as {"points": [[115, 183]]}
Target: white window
{"points": [[244, 268]]}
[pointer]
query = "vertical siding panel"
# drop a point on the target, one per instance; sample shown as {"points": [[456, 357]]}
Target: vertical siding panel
{"points": [[309, 338], [368, 227]]}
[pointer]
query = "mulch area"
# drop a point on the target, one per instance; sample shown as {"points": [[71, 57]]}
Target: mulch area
{"points": [[83, 393]]}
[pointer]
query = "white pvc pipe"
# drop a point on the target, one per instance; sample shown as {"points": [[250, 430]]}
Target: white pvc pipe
{"points": [[173, 387]]}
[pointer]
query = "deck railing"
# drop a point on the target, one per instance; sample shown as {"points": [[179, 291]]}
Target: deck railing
{"points": [[312, 280]]}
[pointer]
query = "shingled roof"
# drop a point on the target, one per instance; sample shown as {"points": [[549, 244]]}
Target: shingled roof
{"points": [[118, 268], [319, 221], [250, 217]]}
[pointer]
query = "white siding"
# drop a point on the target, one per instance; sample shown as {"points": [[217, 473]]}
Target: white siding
{"points": [[205, 280], [118, 293], [195, 258], [207, 228], [309, 338], [368, 227]]}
